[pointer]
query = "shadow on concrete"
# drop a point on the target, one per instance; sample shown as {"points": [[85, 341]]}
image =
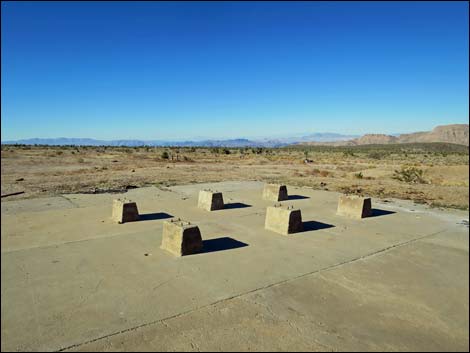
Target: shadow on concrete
{"points": [[229, 206], [221, 244], [154, 216], [313, 225], [297, 197], [377, 212]]}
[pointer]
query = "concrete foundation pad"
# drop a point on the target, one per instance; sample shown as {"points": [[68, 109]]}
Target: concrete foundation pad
{"points": [[283, 219], [210, 200], [124, 211], [275, 192], [73, 280], [354, 206], [181, 237]]}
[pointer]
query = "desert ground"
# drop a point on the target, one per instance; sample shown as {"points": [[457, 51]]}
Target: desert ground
{"points": [[74, 280], [365, 170]]}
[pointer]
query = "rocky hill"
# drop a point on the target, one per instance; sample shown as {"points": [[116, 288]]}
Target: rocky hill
{"points": [[455, 133]]}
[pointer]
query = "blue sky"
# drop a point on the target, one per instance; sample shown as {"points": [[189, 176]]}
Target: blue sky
{"points": [[175, 70]]}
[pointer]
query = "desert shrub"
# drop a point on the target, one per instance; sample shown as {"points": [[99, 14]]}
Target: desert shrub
{"points": [[411, 175], [358, 175], [165, 155], [226, 151], [80, 160], [376, 155]]}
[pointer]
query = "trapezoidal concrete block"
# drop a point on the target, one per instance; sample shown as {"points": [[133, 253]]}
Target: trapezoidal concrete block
{"points": [[283, 219], [275, 192], [124, 211], [354, 206], [181, 237], [210, 200]]}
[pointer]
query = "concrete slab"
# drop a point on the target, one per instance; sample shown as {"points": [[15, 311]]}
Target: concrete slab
{"points": [[93, 284], [370, 304]]}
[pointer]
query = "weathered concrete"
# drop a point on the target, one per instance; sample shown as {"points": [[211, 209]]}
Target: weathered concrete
{"points": [[210, 200], [275, 192], [354, 206], [181, 237], [72, 279], [125, 211], [283, 219]]}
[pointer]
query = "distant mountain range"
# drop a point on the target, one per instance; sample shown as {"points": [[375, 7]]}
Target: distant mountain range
{"points": [[241, 142], [456, 133]]}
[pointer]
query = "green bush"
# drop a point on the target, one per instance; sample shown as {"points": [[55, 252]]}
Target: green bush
{"points": [[165, 155]]}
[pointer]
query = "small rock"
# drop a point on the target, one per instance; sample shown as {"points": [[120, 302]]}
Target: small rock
{"points": [[20, 179]]}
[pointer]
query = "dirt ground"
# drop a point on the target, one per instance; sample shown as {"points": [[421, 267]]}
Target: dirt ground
{"points": [[47, 171]]}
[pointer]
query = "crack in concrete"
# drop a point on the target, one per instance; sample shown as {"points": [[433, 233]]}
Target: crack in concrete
{"points": [[239, 295], [73, 203], [165, 282]]}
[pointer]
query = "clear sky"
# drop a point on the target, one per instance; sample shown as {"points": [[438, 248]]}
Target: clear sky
{"points": [[166, 70]]}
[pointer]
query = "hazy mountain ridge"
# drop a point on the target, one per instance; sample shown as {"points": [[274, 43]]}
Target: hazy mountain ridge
{"points": [[240, 142]]}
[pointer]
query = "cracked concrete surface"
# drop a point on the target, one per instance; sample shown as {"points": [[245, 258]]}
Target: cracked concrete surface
{"points": [[73, 280]]}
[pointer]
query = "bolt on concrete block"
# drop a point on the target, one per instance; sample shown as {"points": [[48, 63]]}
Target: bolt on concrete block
{"points": [[275, 192], [283, 219], [124, 211], [181, 237], [210, 200], [354, 206]]}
